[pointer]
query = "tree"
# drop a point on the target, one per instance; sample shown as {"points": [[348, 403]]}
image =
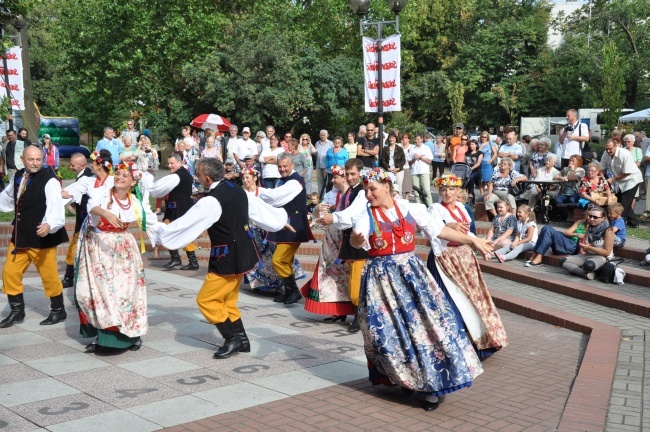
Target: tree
{"points": [[613, 85]]}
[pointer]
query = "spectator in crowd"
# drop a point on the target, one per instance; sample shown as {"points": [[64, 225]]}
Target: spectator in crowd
{"points": [[596, 247], [562, 243], [298, 158], [50, 153], [199, 141], [512, 150], [246, 146], [266, 142], [308, 149], [361, 134], [526, 235], [633, 145], [22, 135], [112, 145], [528, 146], [538, 157], [285, 142], [489, 150], [232, 172], [211, 150], [269, 157], [420, 160], [626, 178], [428, 141], [499, 187], [438, 164], [453, 141], [130, 131], [546, 173], [459, 151], [146, 159], [614, 213], [351, 146], [646, 179], [128, 151], [473, 158], [322, 147], [407, 182], [574, 136], [571, 176], [502, 231], [594, 188], [393, 160], [259, 138], [230, 143], [337, 155], [368, 148]]}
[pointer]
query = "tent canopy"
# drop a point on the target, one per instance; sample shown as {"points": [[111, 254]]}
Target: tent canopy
{"points": [[643, 115]]}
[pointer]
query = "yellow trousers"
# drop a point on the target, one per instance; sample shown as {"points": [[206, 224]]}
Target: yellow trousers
{"points": [[190, 247], [69, 258], [218, 297], [283, 258], [16, 266], [354, 284]]}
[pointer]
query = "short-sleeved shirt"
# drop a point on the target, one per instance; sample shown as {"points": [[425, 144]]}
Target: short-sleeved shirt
{"points": [[516, 149], [538, 159], [522, 230], [502, 225], [368, 144], [420, 167], [503, 183], [620, 224], [299, 162], [246, 148], [622, 162], [321, 152], [114, 146]]}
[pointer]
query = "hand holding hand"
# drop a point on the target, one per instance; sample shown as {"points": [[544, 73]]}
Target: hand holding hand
{"points": [[357, 240], [43, 230]]}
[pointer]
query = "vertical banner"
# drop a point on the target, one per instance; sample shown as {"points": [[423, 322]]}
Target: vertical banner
{"points": [[15, 71], [390, 68]]}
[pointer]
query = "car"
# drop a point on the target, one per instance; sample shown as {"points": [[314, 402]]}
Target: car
{"points": [[67, 151], [433, 131]]}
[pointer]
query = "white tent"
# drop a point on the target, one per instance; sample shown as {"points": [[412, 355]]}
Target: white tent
{"points": [[636, 116]]}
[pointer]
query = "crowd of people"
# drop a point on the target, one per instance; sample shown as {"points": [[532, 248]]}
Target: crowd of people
{"points": [[426, 326]]}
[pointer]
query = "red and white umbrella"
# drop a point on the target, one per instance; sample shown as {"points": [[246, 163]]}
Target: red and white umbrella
{"points": [[211, 121]]}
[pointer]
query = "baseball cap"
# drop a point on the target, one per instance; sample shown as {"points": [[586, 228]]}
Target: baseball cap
{"points": [[460, 126], [229, 161], [246, 129], [248, 157], [47, 136]]}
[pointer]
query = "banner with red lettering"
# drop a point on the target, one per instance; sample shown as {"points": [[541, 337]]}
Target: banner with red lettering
{"points": [[390, 69], [15, 71]]}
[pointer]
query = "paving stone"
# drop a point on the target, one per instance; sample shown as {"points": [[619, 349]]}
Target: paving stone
{"points": [[62, 409], [22, 392], [158, 366], [66, 364], [172, 412], [107, 422], [10, 421]]}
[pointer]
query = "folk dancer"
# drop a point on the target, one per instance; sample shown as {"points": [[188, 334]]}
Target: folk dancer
{"points": [[353, 203], [410, 333], [232, 249], [458, 274], [34, 194], [290, 195], [178, 185], [110, 287]]}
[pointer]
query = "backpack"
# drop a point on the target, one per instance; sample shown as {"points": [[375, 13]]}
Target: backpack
{"points": [[607, 273]]}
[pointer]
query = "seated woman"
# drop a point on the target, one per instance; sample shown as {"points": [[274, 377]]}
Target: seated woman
{"points": [[499, 187], [538, 158], [545, 173], [596, 247], [565, 243], [571, 175], [594, 188]]}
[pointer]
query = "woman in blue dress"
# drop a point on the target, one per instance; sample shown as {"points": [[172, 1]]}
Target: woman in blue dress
{"points": [[411, 336], [489, 150]]}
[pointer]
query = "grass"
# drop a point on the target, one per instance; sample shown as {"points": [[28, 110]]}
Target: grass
{"points": [[6, 217], [642, 232]]}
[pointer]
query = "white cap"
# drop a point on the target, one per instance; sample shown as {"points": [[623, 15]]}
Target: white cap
{"points": [[246, 129]]}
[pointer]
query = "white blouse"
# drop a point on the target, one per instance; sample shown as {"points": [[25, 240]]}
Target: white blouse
{"points": [[441, 213]]}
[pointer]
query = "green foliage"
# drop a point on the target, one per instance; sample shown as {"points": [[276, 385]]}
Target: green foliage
{"points": [[65, 173], [613, 85]]}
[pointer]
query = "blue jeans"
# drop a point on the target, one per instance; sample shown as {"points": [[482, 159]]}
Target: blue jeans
{"points": [[270, 183], [565, 199], [551, 238]]}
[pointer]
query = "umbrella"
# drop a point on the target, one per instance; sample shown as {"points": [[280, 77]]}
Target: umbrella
{"points": [[211, 121], [636, 116]]}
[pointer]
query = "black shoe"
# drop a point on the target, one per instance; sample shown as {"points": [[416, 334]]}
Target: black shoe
{"points": [[291, 289], [193, 263], [17, 313], [68, 278], [354, 327], [430, 406], [245, 343], [335, 318], [280, 295], [232, 344], [175, 260], [57, 314], [92, 347], [136, 346]]}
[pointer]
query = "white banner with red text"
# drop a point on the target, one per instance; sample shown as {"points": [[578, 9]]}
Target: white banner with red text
{"points": [[390, 69], [15, 72]]}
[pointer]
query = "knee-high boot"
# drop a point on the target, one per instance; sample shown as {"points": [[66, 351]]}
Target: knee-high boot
{"points": [[175, 260], [193, 263], [57, 314], [292, 292], [17, 313], [245, 343], [232, 344], [68, 279]]}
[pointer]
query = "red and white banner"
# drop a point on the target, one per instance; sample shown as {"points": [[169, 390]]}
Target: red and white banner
{"points": [[390, 69], [15, 71]]}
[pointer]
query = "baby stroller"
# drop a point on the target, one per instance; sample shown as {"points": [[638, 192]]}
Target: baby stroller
{"points": [[463, 170]]}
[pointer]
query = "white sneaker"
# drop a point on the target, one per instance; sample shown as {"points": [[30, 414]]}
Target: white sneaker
{"points": [[591, 275], [500, 257]]}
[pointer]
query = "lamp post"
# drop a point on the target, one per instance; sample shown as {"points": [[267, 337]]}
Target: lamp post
{"points": [[361, 7]]}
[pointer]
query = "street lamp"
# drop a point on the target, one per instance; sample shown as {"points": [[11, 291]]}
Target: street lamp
{"points": [[361, 7]]}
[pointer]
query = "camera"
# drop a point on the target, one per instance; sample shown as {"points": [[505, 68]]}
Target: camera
{"points": [[147, 151], [568, 128]]}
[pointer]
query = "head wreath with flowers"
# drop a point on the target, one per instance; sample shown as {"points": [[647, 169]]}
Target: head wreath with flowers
{"points": [[251, 171], [377, 175], [97, 158], [133, 170], [338, 171], [448, 180]]}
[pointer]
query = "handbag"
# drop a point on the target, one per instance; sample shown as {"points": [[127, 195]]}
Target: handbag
{"points": [[601, 198], [607, 272]]}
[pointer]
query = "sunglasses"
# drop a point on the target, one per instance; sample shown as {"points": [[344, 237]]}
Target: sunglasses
{"points": [[594, 217], [463, 139]]}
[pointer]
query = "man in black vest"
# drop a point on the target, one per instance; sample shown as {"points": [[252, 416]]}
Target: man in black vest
{"points": [[354, 203], [289, 194], [178, 185], [78, 164], [34, 194], [233, 252]]}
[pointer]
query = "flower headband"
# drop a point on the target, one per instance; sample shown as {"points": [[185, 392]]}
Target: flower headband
{"points": [[377, 175], [338, 171], [136, 174], [97, 158], [251, 171], [448, 180]]}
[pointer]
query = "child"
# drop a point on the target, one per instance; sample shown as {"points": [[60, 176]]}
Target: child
{"points": [[617, 224], [502, 231], [526, 235], [462, 198], [312, 201]]}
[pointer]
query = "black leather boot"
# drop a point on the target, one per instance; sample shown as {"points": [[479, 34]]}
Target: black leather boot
{"points": [[232, 345], [68, 279], [245, 343], [193, 263], [17, 313], [175, 260], [292, 291], [280, 295], [58, 313], [354, 327]]}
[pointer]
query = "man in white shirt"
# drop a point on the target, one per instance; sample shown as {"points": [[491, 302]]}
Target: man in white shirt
{"points": [[266, 142], [321, 151], [420, 161], [512, 149], [573, 137], [627, 178], [230, 143], [246, 146]]}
